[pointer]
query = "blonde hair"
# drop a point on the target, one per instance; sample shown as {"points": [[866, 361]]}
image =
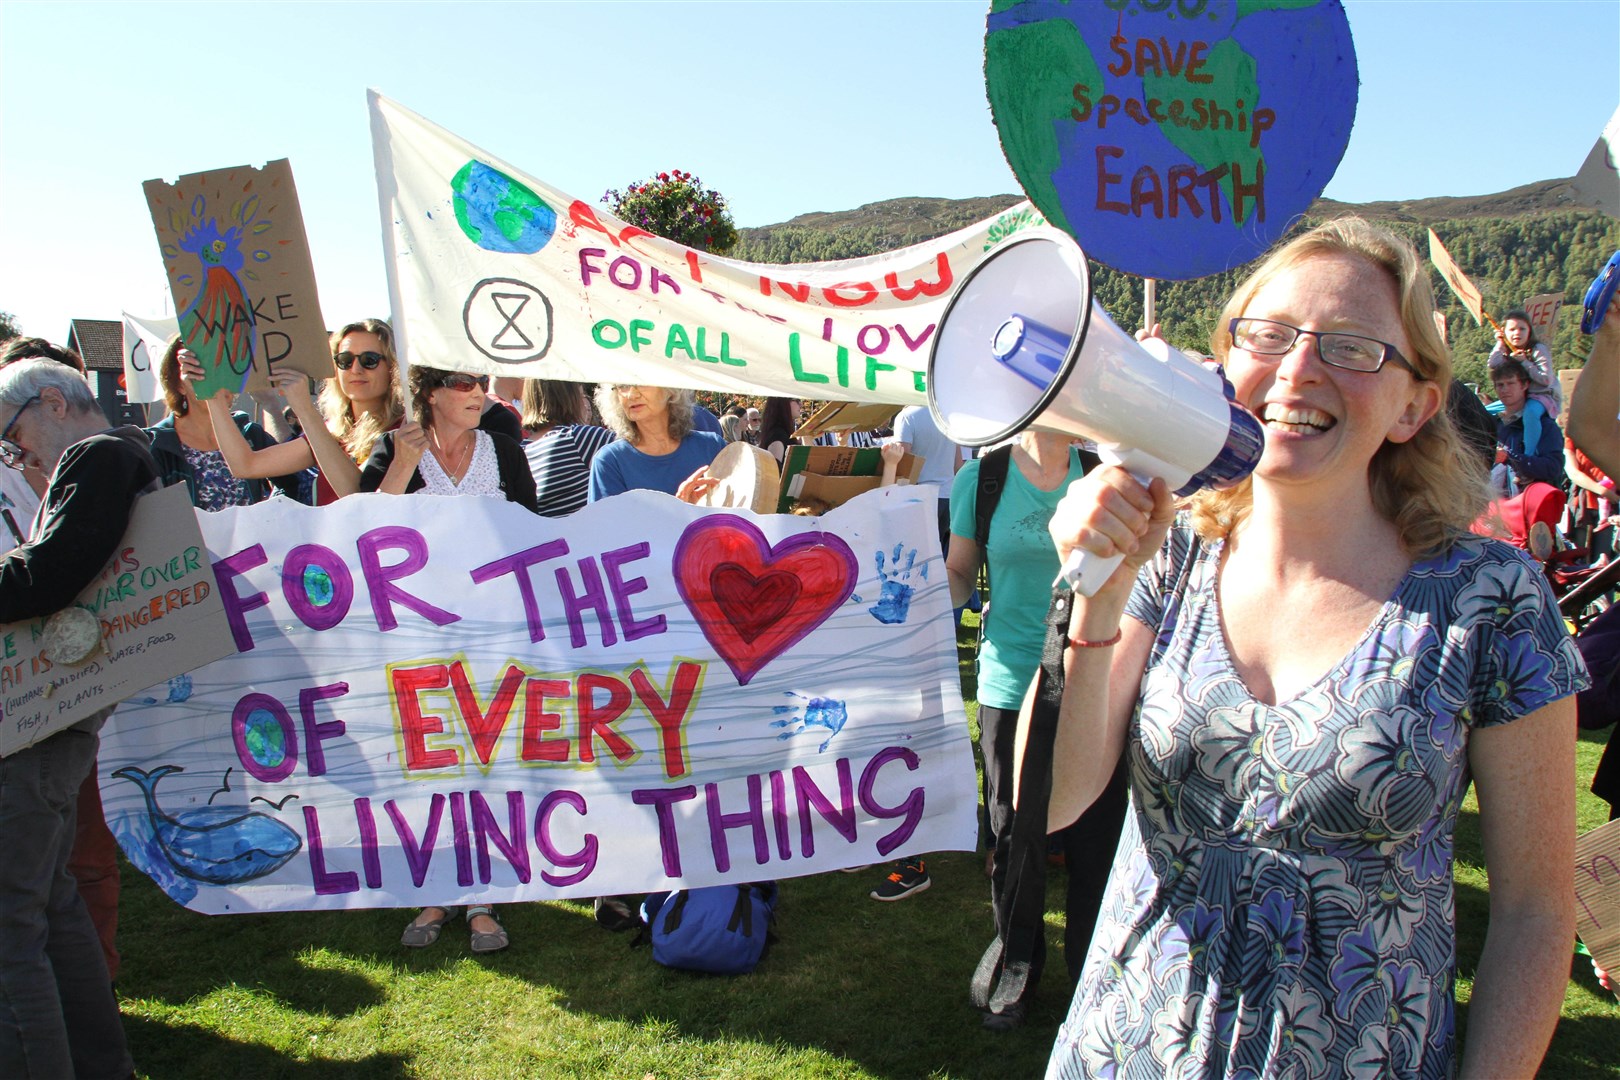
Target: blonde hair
{"points": [[681, 404], [359, 435], [1429, 487]]}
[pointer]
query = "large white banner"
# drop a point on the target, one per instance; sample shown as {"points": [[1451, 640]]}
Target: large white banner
{"points": [[492, 270], [442, 700]]}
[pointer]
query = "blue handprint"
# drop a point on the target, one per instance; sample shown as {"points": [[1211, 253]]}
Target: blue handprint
{"points": [[894, 589], [815, 712]]}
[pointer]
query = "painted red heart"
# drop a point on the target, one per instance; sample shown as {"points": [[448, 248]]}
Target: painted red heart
{"points": [[754, 601]]}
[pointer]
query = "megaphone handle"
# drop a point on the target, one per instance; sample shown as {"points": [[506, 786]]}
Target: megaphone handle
{"points": [[1084, 571]]}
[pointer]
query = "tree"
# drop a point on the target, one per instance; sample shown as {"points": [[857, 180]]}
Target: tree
{"points": [[676, 206], [8, 326]]}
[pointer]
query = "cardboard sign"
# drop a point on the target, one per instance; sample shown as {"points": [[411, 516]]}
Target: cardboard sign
{"points": [[438, 700], [238, 262], [836, 474], [1543, 312], [1172, 140], [1597, 894], [847, 416], [1466, 291], [145, 342], [511, 276], [160, 615]]}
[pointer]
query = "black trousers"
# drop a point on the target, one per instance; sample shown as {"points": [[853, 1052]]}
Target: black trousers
{"points": [[1088, 845]]}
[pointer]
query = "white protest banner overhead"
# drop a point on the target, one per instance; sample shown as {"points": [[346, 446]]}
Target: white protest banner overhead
{"points": [[437, 701], [491, 270]]}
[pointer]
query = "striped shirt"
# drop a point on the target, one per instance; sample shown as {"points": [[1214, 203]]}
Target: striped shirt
{"points": [[561, 463]]}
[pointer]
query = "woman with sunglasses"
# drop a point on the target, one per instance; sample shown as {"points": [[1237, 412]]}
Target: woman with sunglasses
{"points": [[188, 449], [356, 406], [1305, 672], [442, 452]]}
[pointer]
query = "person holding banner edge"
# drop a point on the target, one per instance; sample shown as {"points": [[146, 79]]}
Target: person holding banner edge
{"points": [[444, 450], [1281, 900]]}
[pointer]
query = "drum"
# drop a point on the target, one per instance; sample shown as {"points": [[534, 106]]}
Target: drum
{"points": [[749, 478]]}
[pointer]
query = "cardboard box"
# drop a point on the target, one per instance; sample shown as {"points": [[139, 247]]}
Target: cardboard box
{"points": [[836, 474]]}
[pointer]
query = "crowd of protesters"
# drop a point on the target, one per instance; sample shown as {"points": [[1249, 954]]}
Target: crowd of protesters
{"points": [[1279, 899]]}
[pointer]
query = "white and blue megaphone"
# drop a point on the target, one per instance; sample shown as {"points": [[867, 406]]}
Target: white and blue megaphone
{"points": [[1023, 345]]}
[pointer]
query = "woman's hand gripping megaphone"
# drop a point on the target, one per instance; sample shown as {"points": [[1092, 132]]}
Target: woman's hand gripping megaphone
{"points": [[1107, 525]]}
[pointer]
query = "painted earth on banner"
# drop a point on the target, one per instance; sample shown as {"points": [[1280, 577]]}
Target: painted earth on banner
{"points": [[434, 703], [491, 270]]}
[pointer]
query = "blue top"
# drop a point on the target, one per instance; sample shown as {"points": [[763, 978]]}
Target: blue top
{"points": [[1023, 564], [704, 420], [916, 428], [620, 467], [1281, 899], [1535, 445]]}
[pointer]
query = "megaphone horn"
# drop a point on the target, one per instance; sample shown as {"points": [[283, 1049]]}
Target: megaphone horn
{"points": [[1022, 344]]}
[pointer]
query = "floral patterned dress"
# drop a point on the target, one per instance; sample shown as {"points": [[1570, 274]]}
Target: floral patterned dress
{"points": [[1281, 902]]}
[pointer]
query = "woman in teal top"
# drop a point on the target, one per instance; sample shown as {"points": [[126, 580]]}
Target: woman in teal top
{"points": [[1023, 564]]}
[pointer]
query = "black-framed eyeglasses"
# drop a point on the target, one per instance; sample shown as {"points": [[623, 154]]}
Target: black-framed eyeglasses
{"points": [[368, 360], [10, 452], [460, 380], [1349, 352]]}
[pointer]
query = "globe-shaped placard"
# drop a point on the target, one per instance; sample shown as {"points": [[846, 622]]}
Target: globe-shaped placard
{"points": [[1172, 138]]}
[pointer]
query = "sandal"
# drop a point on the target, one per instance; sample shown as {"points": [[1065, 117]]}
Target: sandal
{"points": [[419, 935], [487, 941]]}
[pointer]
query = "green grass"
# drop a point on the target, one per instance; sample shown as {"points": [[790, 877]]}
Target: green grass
{"points": [[853, 988]]}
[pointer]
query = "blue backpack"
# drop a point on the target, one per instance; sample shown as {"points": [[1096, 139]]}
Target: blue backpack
{"points": [[722, 929]]}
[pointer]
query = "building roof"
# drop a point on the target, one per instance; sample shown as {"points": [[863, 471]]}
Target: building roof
{"points": [[100, 342]]}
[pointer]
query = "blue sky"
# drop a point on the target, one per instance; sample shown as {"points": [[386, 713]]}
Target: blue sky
{"points": [[785, 107]]}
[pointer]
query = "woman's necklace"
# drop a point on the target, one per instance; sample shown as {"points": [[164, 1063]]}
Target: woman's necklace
{"points": [[455, 468]]}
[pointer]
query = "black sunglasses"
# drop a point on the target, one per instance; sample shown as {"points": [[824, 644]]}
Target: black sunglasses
{"points": [[368, 360]]}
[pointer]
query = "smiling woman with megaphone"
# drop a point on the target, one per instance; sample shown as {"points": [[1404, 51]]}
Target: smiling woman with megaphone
{"points": [[1305, 671]]}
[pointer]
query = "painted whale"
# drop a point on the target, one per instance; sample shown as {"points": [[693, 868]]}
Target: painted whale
{"points": [[220, 845]]}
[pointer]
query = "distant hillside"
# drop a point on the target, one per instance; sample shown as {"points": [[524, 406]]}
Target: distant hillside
{"points": [[1514, 245]]}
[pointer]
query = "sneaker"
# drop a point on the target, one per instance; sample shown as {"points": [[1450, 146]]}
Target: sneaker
{"points": [[907, 878]]}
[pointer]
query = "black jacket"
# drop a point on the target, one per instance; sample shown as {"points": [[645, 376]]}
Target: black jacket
{"points": [[82, 518]]}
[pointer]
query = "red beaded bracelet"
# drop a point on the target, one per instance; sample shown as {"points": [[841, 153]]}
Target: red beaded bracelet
{"points": [[1082, 643]]}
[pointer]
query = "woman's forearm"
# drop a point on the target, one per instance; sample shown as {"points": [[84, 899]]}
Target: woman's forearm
{"points": [[1518, 993]]}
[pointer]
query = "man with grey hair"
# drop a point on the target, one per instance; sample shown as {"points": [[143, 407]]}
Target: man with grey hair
{"points": [[58, 1016]]}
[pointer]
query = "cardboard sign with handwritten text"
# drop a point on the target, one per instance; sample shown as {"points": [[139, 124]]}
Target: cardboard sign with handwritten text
{"points": [[1597, 894], [160, 615]]}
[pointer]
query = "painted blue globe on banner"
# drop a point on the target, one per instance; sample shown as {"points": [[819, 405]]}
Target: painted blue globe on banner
{"points": [[264, 739], [1172, 138], [500, 213]]}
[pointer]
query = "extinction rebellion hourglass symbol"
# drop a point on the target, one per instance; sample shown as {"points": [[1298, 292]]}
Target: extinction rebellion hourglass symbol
{"points": [[508, 320]]}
